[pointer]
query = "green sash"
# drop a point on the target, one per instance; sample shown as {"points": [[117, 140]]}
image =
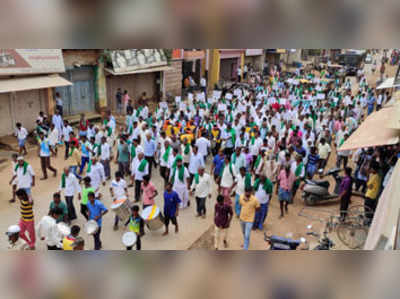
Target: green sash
{"points": [[89, 169], [258, 161], [267, 185], [247, 180], [166, 154], [181, 174], [25, 166], [230, 170], [63, 181], [197, 178], [133, 151], [299, 169], [178, 157], [142, 165], [187, 149]]}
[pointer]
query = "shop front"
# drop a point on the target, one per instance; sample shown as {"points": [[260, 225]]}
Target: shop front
{"points": [[230, 61]]}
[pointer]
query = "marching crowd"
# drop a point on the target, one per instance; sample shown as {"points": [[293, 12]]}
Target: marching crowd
{"points": [[262, 137]]}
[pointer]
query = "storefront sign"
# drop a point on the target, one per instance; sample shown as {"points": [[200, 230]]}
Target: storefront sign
{"points": [[31, 61], [136, 59], [254, 52]]}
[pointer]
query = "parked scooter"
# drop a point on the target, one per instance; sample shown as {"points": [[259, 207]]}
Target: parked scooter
{"points": [[315, 191]]}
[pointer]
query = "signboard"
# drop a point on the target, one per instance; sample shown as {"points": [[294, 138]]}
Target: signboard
{"points": [[31, 61], [177, 54], [254, 52], [136, 59]]}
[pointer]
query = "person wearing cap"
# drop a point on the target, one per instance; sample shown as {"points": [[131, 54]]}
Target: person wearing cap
{"points": [[24, 175], [47, 229], [15, 243]]}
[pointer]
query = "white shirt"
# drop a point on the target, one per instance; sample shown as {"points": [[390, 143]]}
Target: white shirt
{"points": [[71, 185], [66, 130], [47, 228], [97, 175], [135, 169], [195, 162], [240, 184], [105, 152], [203, 82], [53, 137], [119, 189], [24, 180], [203, 188], [22, 133], [203, 145], [177, 182], [227, 179], [255, 148], [261, 195]]}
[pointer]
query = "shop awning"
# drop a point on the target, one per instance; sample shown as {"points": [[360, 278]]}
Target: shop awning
{"points": [[29, 83], [142, 71], [374, 131], [388, 83]]}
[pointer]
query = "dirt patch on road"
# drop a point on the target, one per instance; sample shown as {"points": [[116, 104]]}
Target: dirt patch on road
{"points": [[206, 241]]}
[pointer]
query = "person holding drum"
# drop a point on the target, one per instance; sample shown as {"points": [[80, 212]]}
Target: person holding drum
{"points": [[118, 191], [136, 225], [149, 192], [96, 211], [171, 208], [139, 169], [180, 180]]}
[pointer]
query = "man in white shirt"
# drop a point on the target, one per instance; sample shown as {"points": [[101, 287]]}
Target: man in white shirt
{"points": [[48, 231], [21, 134], [139, 169], [118, 191], [15, 243], [201, 188], [240, 187], [105, 156], [180, 178], [227, 180], [203, 145], [96, 173], [70, 185], [25, 176], [195, 162], [58, 121], [203, 84]]}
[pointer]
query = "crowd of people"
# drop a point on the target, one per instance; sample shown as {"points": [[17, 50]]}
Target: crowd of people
{"points": [[262, 137]]}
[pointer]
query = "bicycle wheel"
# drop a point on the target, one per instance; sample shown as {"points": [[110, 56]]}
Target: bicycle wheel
{"points": [[353, 235], [359, 213]]}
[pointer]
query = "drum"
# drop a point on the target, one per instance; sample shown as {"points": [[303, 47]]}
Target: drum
{"points": [[129, 239], [91, 227], [121, 208], [64, 229], [153, 218]]}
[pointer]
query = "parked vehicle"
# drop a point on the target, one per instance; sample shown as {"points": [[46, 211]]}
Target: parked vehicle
{"points": [[316, 191]]}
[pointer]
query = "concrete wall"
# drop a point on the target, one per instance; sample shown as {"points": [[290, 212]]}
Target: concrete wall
{"points": [[6, 125], [173, 79], [81, 57], [256, 61]]}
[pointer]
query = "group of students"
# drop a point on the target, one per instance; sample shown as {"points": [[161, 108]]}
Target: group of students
{"points": [[265, 136]]}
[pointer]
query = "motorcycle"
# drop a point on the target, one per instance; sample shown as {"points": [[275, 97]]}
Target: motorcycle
{"points": [[324, 243], [315, 191], [281, 243]]}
